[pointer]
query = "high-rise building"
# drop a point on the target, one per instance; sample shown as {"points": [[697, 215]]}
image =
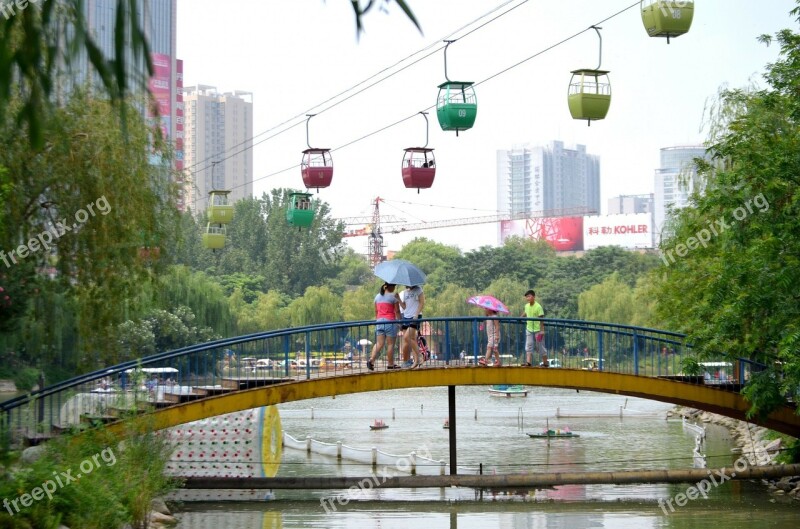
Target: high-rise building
{"points": [[548, 179], [218, 144], [675, 180], [629, 204], [158, 19]]}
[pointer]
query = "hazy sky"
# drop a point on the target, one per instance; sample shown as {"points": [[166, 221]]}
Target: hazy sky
{"points": [[296, 54]]}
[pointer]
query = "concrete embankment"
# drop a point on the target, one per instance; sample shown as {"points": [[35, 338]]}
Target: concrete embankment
{"points": [[755, 444], [7, 386]]}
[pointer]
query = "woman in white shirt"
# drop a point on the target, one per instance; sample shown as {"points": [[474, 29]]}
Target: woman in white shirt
{"points": [[412, 301]]}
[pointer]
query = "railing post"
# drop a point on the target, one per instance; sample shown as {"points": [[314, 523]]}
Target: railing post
{"points": [[339, 450], [308, 444], [447, 342], [374, 457], [413, 459], [635, 353], [600, 349], [308, 355], [286, 355], [475, 342]]}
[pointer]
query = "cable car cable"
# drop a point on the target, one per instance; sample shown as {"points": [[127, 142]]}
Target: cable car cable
{"points": [[302, 114], [377, 131]]}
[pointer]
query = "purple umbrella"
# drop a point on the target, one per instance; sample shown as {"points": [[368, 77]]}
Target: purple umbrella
{"points": [[488, 302]]}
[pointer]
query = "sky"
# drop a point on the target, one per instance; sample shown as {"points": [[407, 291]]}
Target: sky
{"points": [[294, 55]]}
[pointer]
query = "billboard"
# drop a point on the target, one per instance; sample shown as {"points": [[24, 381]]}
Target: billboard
{"points": [[562, 233], [628, 231]]}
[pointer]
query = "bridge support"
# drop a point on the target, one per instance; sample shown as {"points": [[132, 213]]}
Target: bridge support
{"points": [[451, 406]]}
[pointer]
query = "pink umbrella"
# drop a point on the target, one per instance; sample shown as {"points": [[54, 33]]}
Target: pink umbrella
{"points": [[488, 302]]}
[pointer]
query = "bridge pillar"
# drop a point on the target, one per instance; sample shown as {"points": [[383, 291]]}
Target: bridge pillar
{"points": [[451, 404]]}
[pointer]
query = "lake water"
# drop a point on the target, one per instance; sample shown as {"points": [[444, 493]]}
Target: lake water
{"points": [[641, 439]]}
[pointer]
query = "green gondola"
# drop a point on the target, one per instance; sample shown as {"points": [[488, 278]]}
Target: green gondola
{"points": [[300, 212]]}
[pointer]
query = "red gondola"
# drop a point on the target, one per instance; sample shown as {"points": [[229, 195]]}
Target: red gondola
{"points": [[317, 165], [419, 164]]}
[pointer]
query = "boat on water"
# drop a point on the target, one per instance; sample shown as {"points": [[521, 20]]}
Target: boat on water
{"points": [[378, 424], [446, 424], [550, 434], [508, 390], [558, 433]]}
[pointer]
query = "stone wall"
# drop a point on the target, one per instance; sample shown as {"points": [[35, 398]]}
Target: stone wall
{"points": [[751, 441]]}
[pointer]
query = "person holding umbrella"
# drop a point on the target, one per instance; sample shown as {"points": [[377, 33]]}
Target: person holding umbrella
{"points": [[401, 272], [491, 306], [387, 309], [412, 301]]}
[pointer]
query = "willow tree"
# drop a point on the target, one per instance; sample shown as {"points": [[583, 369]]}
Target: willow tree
{"points": [[41, 41], [78, 211], [732, 265]]}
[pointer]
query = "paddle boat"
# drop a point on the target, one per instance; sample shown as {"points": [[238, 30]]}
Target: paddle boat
{"points": [[553, 434], [378, 424], [508, 390], [446, 424]]}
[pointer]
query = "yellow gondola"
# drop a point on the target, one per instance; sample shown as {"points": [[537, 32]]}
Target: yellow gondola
{"points": [[667, 18], [589, 95]]}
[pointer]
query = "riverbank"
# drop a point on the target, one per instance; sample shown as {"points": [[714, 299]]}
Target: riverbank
{"points": [[758, 445]]}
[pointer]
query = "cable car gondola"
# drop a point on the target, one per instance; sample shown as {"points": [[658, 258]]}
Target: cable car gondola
{"points": [[457, 105], [219, 214], [419, 165], [590, 90], [667, 18], [317, 165], [300, 212]]}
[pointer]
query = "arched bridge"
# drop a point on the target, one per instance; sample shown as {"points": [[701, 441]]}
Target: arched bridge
{"points": [[214, 378]]}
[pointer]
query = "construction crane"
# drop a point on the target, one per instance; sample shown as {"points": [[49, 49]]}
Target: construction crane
{"points": [[372, 225]]}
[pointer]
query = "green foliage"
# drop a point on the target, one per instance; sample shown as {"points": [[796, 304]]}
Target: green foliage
{"points": [[203, 296], [95, 187], [735, 295], [317, 304], [359, 304], [690, 366], [161, 331], [44, 37], [614, 301], [117, 483]]}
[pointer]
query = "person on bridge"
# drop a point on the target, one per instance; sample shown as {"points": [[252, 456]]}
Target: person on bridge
{"points": [[492, 340], [412, 301], [387, 309], [534, 330]]}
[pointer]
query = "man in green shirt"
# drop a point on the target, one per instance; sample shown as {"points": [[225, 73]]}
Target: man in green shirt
{"points": [[534, 330]]}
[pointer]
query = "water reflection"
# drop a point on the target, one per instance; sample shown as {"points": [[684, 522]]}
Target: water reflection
{"points": [[492, 433]]}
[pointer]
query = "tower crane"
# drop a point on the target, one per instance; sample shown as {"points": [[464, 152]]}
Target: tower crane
{"points": [[372, 224]]}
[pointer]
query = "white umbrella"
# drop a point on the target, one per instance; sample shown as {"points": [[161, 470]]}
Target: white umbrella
{"points": [[364, 341]]}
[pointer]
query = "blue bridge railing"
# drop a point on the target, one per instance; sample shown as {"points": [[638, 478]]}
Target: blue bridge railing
{"points": [[335, 349]]}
